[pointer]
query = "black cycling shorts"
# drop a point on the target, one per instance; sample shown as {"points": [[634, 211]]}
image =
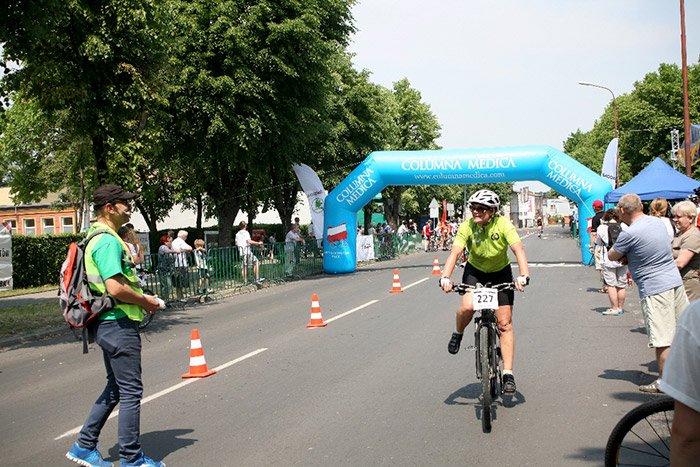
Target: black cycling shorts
{"points": [[473, 275]]}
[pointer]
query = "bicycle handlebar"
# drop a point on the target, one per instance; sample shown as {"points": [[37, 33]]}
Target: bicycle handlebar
{"points": [[463, 288]]}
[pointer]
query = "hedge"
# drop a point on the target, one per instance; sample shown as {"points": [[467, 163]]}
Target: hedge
{"points": [[37, 259]]}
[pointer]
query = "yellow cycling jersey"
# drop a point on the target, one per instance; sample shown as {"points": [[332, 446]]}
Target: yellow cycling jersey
{"points": [[487, 245]]}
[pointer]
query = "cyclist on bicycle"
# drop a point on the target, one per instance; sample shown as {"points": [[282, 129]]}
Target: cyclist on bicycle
{"points": [[487, 237]]}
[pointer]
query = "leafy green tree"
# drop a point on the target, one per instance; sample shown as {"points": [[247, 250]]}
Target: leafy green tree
{"points": [[253, 83], [418, 129], [96, 63], [645, 118]]}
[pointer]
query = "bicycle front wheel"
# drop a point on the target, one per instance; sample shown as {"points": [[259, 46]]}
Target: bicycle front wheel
{"points": [[642, 436], [485, 375]]}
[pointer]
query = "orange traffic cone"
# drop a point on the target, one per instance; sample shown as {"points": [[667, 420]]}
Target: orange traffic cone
{"points": [[397, 284], [436, 268], [198, 365], [316, 319]]}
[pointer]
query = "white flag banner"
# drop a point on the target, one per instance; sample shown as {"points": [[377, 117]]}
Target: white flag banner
{"points": [[365, 247], [5, 257], [315, 193], [609, 171]]}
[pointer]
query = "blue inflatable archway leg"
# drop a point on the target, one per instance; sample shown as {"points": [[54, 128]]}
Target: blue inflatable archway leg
{"points": [[385, 168]]}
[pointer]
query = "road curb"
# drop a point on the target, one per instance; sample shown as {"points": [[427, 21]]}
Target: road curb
{"points": [[12, 341]]}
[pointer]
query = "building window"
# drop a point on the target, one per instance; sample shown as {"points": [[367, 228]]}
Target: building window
{"points": [[67, 225], [47, 225], [29, 227], [12, 223]]}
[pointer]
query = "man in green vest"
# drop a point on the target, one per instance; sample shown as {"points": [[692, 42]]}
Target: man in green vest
{"points": [[109, 267]]}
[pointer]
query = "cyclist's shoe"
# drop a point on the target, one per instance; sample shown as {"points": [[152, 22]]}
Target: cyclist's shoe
{"points": [[86, 457], [508, 384], [453, 346], [142, 461], [652, 388]]}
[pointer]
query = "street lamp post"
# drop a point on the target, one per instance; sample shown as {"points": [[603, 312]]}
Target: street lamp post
{"points": [[617, 155]]}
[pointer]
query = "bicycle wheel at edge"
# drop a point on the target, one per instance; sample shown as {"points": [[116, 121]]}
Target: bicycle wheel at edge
{"points": [[147, 317], [642, 436], [485, 376]]}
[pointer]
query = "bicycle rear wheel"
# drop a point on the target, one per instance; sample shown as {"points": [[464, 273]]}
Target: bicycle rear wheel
{"points": [[642, 436], [485, 375]]}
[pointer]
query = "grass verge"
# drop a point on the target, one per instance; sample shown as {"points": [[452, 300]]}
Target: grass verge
{"points": [[25, 319], [15, 292]]}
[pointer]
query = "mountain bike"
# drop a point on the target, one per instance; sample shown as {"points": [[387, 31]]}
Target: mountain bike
{"points": [[642, 436], [489, 367]]}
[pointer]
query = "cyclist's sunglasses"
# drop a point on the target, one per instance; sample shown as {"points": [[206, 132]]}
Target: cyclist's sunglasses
{"points": [[478, 208]]}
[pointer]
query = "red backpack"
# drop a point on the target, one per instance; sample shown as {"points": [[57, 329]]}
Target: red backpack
{"points": [[79, 303]]}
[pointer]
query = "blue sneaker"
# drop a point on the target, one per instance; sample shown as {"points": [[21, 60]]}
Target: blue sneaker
{"points": [[142, 461], [86, 457]]}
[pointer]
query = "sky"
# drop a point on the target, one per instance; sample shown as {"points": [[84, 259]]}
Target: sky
{"points": [[506, 73]]}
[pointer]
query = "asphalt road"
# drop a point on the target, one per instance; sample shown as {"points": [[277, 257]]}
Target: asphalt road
{"points": [[375, 387]]}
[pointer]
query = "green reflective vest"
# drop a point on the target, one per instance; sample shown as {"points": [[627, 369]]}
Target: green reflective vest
{"points": [[96, 282]]}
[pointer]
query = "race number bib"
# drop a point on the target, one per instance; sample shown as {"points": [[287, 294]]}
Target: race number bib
{"points": [[485, 299]]}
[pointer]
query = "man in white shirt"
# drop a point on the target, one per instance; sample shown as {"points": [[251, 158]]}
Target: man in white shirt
{"points": [[290, 247], [243, 242], [182, 279]]}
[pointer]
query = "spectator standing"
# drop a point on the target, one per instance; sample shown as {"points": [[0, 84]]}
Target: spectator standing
{"points": [[686, 248], [245, 250], [681, 381], [403, 229], [166, 266], [596, 250], [291, 242], [651, 264], [272, 239], [427, 232], [200, 258], [658, 208], [182, 279], [614, 272], [116, 332]]}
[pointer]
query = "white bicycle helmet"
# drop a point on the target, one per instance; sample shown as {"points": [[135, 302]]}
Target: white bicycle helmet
{"points": [[487, 198]]}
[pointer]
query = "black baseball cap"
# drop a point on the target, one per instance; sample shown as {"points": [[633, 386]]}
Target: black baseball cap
{"points": [[110, 194]]}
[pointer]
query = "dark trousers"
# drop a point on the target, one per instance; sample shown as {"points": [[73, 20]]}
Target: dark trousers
{"points": [[121, 348]]}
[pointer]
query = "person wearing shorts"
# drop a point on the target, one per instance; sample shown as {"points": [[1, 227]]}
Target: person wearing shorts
{"points": [[647, 251], [487, 237], [614, 272], [244, 242]]}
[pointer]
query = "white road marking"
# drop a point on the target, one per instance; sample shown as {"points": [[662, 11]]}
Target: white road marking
{"points": [[182, 384], [416, 283], [371, 302]]}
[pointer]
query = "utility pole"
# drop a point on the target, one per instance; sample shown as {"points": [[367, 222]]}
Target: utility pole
{"points": [[686, 112]]}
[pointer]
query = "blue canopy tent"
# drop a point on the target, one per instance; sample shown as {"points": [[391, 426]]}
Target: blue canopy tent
{"points": [[657, 180]]}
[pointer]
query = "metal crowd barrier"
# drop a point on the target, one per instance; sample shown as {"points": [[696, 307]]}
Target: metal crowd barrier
{"points": [[182, 276]]}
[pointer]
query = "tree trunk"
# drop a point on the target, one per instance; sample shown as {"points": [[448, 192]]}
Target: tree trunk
{"points": [[149, 218], [392, 205], [98, 151], [227, 214], [200, 208], [285, 198]]}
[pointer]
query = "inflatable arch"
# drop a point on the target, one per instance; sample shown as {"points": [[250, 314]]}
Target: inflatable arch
{"points": [[384, 168]]}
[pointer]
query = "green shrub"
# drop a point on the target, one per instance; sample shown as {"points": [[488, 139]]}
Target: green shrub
{"points": [[37, 259]]}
